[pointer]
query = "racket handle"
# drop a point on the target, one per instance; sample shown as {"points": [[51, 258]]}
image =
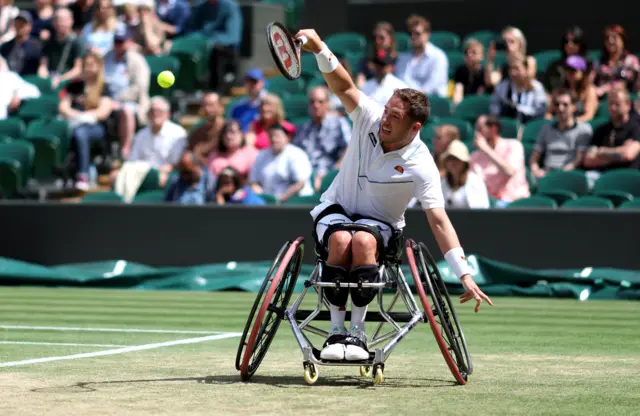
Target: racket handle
{"points": [[302, 39]]}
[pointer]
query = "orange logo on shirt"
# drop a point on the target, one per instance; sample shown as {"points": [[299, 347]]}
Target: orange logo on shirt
{"points": [[399, 169]]}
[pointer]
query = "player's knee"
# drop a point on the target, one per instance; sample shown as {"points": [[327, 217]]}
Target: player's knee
{"points": [[333, 274], [364, 274], [364, 244], [339, 241]]}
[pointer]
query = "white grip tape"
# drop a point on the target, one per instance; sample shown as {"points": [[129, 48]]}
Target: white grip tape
{"points": [[327, 61], [458, 262], [303, 39]]}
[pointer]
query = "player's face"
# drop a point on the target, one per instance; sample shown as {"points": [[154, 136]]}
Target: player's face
{"points": [[396, 125]]}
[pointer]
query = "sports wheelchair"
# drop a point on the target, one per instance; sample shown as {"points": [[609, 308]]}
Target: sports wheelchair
{"points": [[272, 306]]}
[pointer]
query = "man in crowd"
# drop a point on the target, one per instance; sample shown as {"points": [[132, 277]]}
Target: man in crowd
{"points": [[62, 53], [325, 137], [194, 184], [22, 53], [246, 110], [204, 138], [381, 87], [174, 15], [563, 142], [445, 134]]}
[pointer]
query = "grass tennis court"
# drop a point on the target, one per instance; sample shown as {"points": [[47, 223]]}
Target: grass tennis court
{"points": [[174, 352]]}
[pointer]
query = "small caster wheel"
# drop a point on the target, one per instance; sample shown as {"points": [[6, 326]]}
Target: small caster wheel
{"points": [[379, 376], [310, 374], [365, 371]]}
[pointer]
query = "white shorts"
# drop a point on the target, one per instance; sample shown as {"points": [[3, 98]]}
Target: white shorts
{"points": [[323, 220]]}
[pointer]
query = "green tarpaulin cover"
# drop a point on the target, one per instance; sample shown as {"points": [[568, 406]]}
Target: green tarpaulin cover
{"points": [[494, 277]]}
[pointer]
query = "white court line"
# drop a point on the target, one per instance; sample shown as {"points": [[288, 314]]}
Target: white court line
{"points": [[135, 330], [63, 344], [122, 350]]}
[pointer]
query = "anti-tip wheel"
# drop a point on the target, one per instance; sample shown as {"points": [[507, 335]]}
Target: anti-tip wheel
{"points": [[379, 377], [310, 374], [366, 371]]}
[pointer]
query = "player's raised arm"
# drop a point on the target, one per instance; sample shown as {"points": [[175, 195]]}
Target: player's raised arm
{"points": [[338, 79]]}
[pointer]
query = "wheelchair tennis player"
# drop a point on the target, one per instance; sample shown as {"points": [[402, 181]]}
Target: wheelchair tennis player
{"points": [[385, 166]]}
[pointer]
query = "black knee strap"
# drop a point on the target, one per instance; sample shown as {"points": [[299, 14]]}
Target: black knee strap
{"points": [[364, 274], [334, 274]]}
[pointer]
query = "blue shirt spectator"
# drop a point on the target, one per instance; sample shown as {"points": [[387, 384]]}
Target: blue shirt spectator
{"points": [[219, 20], [22, 53], [174, 14], [230, 191], [193, 185], [246, 110]]}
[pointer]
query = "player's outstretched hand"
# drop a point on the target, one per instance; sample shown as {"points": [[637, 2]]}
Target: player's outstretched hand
{"points": [[314, 43], [472, 291]]}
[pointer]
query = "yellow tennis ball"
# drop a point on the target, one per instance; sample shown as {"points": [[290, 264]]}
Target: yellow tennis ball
{"points": [[166, 79]]}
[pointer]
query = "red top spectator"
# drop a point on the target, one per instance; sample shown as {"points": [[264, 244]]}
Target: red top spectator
{"points": [[271, 114]]}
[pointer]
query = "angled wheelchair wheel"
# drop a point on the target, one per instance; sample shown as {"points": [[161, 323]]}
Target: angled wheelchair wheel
{"points": [[439, 312], [268, 308]]}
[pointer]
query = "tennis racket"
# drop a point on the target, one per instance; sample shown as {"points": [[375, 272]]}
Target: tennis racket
{"points": [[285, 50]]}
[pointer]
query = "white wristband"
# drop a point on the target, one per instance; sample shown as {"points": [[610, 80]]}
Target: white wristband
{"points": [[458, 262], [327, 61]]}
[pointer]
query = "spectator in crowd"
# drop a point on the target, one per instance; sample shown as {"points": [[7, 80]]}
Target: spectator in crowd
{"points": [[461, 188], [426, 67], [232, 151], [8, 12], [515, 44], [162, 142], [193, 185], [324, 137], [42, 26], [82, 11], [205, 138], [147, 35], [563, 142], [127, 74], [471, 79], [86, 105], [221, 22], [271, 114], [98, 35], [499, 162], [519, 96], [617, 66], [617, 143], [283, 170], [381, 87], [174, 15], [580, 84], [230, 189], [247, 110], [13, 90], [62, 54], [383, 41], [22, 53], [573, 43], [444, 135]]}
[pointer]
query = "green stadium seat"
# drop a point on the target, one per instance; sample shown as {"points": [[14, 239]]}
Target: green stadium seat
{"points": [[570, 181], [5, 139], [440, 107], [269, 199], [619, 185], [528, 151], [13, 127], [157, 64], [403, 41], [296, 106], [546, 58], [599, 121], [464, 127], [192, 50], [631, 205], [483, 36], [16, 166], [589, 201], [456, 60], [510, 128], [472, 107], [44, 84], [354, 60], [317, 81], [303, 200], [500, 60], [534, 202], [292, 9], [46, 106], [150, 197], [447, 41], [531, 130], [47, 156], [595, 54], [284, 87], [102, 197], [603, 109], [52, 129], [343, 43], [326, 181]]}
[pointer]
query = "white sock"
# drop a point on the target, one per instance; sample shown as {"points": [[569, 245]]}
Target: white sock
{"points": [[358, 315], [337, 316]]}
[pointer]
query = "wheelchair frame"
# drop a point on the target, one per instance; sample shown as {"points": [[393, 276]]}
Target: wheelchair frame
{"points": [[277, 289]]}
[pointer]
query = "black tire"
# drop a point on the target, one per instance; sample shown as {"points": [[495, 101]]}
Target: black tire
{"points": [[274, 296]]}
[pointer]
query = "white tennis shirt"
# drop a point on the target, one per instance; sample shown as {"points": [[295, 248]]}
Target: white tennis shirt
{"points": [[378, 184]]}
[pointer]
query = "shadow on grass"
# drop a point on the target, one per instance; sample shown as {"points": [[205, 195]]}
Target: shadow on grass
{"points": [[272, 381]]}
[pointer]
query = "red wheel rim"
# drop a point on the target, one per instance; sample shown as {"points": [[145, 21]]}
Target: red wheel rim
{"points": [[442, 344]]}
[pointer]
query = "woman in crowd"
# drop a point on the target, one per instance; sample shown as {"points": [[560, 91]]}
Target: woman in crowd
{"points": [[578, 81], [148, 36], [617, 66], [86, 105], [233, 152], [461, 187], [82, 11], [471, 79], [515, 44], [382, 40], [573, 43], [271, 114], [229, 189], [98, 35], [519, 96]]}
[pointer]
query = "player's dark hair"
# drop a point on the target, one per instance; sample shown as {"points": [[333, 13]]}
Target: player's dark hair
{"points": [[419, 106]]}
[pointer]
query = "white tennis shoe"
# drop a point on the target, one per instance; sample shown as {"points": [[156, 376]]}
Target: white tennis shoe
{"points": [[333, 348], [356, 346]]}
